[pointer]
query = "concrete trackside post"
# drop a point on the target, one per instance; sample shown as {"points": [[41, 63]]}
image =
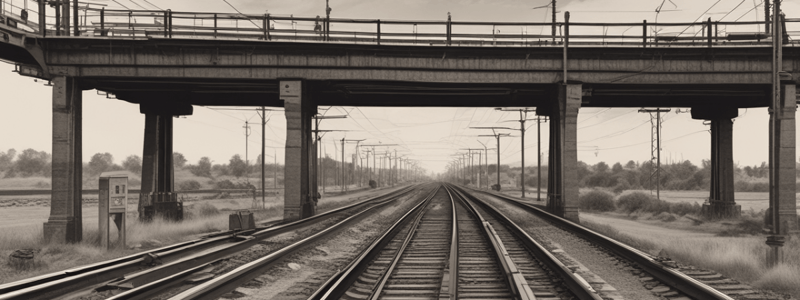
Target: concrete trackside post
{"points": [[65, 223], [562, 191], [299, 203]]}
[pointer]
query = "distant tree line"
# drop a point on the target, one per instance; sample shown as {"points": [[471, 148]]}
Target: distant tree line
{"points": [[30, 163]]}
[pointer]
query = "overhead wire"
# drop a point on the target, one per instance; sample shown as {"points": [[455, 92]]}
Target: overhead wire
{"points": [[237, 10], [636, 144], [698, 18], [156, 6]]}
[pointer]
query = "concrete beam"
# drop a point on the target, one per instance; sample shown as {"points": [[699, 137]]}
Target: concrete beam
{"points": [[563, 184], [299, 203], [65, 223], [253, 60]]}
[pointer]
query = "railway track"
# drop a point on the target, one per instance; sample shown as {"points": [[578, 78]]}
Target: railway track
{"points": [[664, 277], [448, 248], [140, 275]]}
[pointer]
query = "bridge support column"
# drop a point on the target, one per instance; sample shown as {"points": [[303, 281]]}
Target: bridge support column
{"points": [[158, 197], [65, 223], [299, 202], [721, 202], [782, 199], [562, 184]]}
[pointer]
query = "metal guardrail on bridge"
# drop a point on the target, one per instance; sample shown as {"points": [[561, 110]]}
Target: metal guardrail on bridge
{"points": [[100, 22]]}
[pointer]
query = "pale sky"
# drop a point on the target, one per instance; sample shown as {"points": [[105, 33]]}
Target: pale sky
{"points": [[430, 135]]}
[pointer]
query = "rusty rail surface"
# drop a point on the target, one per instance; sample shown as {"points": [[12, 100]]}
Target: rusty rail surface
{"points": [[153, 24]]}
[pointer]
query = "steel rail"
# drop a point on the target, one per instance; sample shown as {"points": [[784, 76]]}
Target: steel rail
{"points": [[224, 283], [139, 283], [338, 284], [452, 268], [517, 283], [58, 283], [376, 293], [666, 274], [573, 281]]}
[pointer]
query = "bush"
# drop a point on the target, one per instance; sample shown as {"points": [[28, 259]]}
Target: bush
{"points": [[596, 200], [634, 201], [622, 185], [189, 185], [373, 184], [228, 185]]}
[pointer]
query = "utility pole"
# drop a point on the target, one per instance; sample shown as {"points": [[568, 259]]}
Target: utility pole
{"points": [[374, 154], [539, 120], [554, 22], [779, 229], [344, 174], [766, 16], [523, 115], [486, 158], [328, 20], [655, 145], [497, 135], [472, 163], [246, 146], [264, 120], [318, 141]]}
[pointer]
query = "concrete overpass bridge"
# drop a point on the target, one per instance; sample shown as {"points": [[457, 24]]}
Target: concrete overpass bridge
{"points": [[167, 67]]}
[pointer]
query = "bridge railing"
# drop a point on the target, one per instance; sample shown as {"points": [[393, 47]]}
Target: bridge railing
{"points": [[100, 22]]}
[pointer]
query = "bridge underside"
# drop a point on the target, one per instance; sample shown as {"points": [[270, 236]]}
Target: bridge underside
{"points": [[242, 92], [168, 76]]}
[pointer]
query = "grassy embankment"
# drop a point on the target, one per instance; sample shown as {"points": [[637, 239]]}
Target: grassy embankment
{"points": [[736, 248], [201, 217]]}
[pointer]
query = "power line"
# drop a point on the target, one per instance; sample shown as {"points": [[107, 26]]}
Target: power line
{"points": [[631, 145], [234, 8], [148, 2], [137, 4], [747, 12], [698, 18]]}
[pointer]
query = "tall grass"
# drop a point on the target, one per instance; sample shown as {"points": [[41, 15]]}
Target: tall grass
{"points": [[200, 219]]}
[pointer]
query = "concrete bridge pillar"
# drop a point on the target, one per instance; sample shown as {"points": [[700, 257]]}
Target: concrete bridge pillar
{"points": [[562, 185], [157, 196], [721, 202], [65, 223], [782, 165], [298, 179]]}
